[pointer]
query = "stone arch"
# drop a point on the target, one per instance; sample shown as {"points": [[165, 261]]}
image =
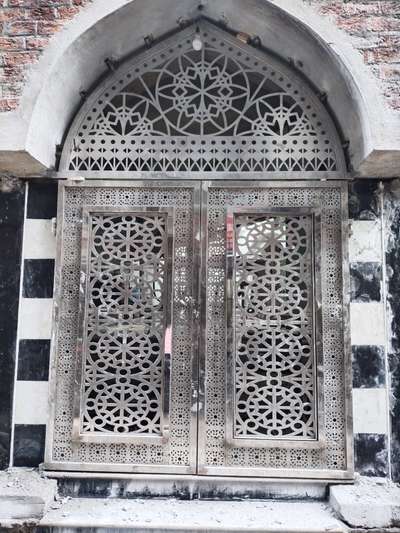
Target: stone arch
{"points": [[74, 60]]}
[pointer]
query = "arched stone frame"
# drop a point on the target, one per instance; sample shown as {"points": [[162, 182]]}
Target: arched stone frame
{"points": [[75, 59], [330, 196]]}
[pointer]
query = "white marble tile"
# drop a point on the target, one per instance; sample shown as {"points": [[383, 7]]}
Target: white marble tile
{"points": [[39, 241], [35, 318], [31, 402], [367, 324], [370, 411], [365, 241]]}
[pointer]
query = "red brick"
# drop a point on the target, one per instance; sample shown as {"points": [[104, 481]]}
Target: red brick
{"points": [[12, 43], [49, 27], [67, 12], [36, 43], [9, 15], [382, 55], [45, 13], [388, 72], [12, 59], [22, 27], [8, 104]]}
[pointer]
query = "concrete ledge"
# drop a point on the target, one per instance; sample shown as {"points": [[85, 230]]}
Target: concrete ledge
{"points": [[369, 503]]}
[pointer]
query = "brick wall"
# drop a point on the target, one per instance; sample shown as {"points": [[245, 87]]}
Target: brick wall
{"points": [[27, 25], [374, 27]]}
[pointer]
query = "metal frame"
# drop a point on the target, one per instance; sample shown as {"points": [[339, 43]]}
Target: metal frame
{"points": [[70, 466], [77, 433], [261, 442], [292, 473]]}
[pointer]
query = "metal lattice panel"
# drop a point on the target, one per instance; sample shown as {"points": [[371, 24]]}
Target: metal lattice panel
{"points": [[274, 394], [125, 316], [219, 452], [225, 108], [144, 235], [286, 288]]}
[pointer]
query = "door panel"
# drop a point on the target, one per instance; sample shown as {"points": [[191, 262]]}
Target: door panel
{"points": [[273, 359], [124, 363], [125, 321], [271, 330]]}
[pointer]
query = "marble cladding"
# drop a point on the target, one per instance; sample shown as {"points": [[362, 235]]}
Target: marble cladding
{"points": [[12, 202], [392, 246], [371, 454], [368, 367], [368, 329], [35, 322]]}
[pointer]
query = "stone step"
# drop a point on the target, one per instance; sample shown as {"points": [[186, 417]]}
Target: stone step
{"points": [[164, 515]]}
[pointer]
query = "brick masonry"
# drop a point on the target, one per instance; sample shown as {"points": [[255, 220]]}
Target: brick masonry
{"points": [[27, 26], [374, 28]]}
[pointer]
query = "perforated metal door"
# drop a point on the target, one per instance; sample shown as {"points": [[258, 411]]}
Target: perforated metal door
{"points": [[250, 293], [274, 359], [124, 369]]}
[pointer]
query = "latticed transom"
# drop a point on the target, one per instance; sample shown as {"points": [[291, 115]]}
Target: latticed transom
{"points": [[224, 108]]}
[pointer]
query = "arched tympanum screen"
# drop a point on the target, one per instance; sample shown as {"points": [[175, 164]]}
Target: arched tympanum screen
{"points": [[225, 108]]}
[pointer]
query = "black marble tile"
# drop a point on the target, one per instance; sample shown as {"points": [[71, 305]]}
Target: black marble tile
{"points": [[94, 488], [368, 367], [29, 441], [33, 360], [394, 366], [42, 199], [38, 278], [85, 488], [363, 199], [11, 224], [371, 454], [392, 221], [365, 282]]}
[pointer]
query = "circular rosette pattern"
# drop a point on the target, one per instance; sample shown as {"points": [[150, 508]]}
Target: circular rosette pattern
{"points": [[202, 93]]}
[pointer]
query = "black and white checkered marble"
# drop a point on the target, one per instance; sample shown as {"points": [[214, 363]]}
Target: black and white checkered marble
{"points": [[368, 333], [34, 328]]}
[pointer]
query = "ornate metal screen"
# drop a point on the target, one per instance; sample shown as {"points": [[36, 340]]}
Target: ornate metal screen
{"points": [[274, 350], [247, 376], [126, 324], [124, 363], [228, 361], [271, 327], [226, 108]]}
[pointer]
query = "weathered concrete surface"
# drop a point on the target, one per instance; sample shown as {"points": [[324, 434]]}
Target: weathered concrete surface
{"points": [[369, 503], [25, 496], [189, 516]]}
